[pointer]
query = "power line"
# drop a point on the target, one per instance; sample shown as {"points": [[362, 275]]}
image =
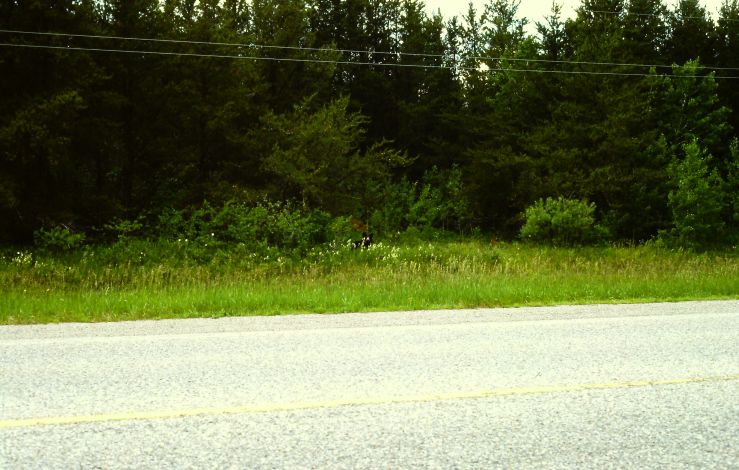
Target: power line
{"points": [[221, 56], [350, 51], [340, 62], [612, 64], [228, 44], [627, 13]]}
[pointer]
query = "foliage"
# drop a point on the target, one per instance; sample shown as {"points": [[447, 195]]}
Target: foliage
{"points": [[438, 201], [58, 239], [147, 279], [317, 157], [731, 189], [376, 111], [561, 222], [253, 227], [123, 229], [696, 201], [441, 202]]}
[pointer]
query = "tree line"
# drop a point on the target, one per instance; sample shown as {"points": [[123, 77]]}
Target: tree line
{"points": [[115, 110]]}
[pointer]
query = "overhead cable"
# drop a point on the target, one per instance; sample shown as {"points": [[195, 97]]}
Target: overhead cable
{"points": [[213, 43], [350, 51], [628, 13], [345, 62]]}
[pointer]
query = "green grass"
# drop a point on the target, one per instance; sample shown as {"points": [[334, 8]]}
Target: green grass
{"points": [[144, 280]]}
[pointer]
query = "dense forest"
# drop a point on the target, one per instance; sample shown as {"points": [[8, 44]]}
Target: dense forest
{"points": [[120, 111]]}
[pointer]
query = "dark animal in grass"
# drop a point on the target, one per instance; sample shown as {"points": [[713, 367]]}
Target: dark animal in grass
{"points": [[364, 242]]}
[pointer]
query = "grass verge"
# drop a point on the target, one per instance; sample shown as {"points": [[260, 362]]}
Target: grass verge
{"points": [[88, 287]]}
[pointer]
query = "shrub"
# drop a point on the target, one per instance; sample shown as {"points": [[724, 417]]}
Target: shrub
{"points": [[171, 224], [58, 239], [275, 224], [392, 216], [289, 227], [123, 229], [561, 222], [436, 202], [696, 202], [731, 190], [134, 252], [441, 202], [340, 230]]}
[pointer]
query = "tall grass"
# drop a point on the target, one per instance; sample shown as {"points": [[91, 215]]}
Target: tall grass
{"points": [[138, 279]]}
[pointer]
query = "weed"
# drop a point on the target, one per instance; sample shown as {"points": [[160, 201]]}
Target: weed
{"points": [[137, 279]]}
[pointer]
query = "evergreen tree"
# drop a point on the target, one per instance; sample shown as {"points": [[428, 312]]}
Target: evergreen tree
{"points": [[552, 35], [727, 52], [692, 34], [45, 91], [208, 104], [323, 98], [503, 30], [427, 91], [367, 32], [645, 32], [731, 192], [688, 108], [696, 201], [316, 156], [131, 105], [283, 27]]}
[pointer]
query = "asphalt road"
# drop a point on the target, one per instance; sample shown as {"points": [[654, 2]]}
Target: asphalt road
{"points": [[639, 386]]}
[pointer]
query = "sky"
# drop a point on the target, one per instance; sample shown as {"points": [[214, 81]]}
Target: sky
{"points": [[536, 10]]}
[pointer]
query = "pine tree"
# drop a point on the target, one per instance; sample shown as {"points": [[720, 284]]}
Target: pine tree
{"points": [[696, 201]]}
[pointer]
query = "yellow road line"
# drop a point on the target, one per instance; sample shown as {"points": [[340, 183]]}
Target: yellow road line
{"points": [[276, 407]]}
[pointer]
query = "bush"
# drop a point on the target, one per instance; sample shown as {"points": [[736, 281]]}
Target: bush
{"points": [[696, 202], [561, 222], [58, 239], [392, 217], [731, 190], [171, 224], [436, 202], [122, 229], [275, 224]]}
